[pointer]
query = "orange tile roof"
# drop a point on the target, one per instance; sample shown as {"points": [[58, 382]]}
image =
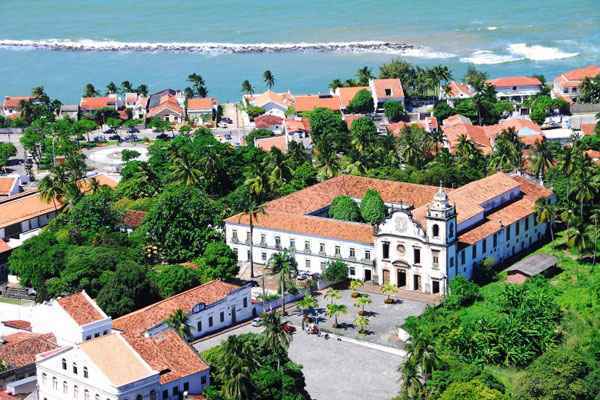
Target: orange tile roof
{"points": [[6, 184], [310, 102], [260, 100], [266, 121], [459, 89], [350, 118], [18, 324], [266, 144], [477, 134], [295, 125], [27, 206], [14, 102], [288, 213], [166, 103], [396, 128], [201, 103], [455, 119], [95, 103], [81, 308], [346, 94], [138, 322], [588, 129], [133, 218], [510, 81], [102, 180], [381, 85], [580, 74], [20, 349]]}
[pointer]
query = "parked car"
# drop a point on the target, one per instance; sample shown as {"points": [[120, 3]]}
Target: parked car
{"points": [[222, 125], [133, 129], [110, 131], [132, 138], [163, 136], [115, 137], [287, 328], [256, 322], [227, 136], [226, 120], [99, 139]]}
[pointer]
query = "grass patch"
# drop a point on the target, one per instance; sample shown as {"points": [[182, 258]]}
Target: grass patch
{"points": [[9, 300]]}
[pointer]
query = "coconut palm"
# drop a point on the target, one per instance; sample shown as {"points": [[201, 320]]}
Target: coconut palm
{"points": [[247, 87], [52, 188], [178, 321], [546, 212], [583, 189], [269, 79], [276, 338], [578, 238], [287, 267], [334, 310], [111, 88], [198, 85], [126, 87], [332, 295], [361, 302], [336, 83], [239, 361], [362, 323], [542, 159], [185, 169], [307, 303], [364, 75], [355, 284], [252, 208]]}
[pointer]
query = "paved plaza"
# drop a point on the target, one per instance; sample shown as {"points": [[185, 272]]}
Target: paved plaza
{"points": [[335, 370]]}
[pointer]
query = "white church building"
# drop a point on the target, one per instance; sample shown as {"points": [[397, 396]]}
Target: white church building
{"points": [[430, 234]]}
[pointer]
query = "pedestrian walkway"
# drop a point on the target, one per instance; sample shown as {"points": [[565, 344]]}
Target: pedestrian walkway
{"points": [[403, 294]]}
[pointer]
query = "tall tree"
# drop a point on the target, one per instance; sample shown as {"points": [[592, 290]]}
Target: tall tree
{"points": [[90, 91], [364, 75], [198, 85], [269, 79], [247, 87]]}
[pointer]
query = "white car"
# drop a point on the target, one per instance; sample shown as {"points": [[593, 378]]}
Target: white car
{"points": [[256, 322]]}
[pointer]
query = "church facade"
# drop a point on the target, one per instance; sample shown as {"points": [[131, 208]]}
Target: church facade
{"points": [[430, 234]]}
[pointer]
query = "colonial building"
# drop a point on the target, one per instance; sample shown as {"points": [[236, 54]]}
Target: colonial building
{"points": [[566, 85], [11, 106], [430, 234], [516, 89], [201, 110], [384, 90]]}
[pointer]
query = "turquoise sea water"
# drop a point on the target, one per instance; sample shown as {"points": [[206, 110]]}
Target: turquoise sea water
{"points": [[500, 37]]}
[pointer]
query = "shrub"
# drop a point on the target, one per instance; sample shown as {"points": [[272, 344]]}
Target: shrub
{"points": [[372, 208], [173, 279], [472, 390], [462, 293], [345, 209], [335, 271], [254, 111], [484, 272], [362, 102], [218, 262], [394, 111]]}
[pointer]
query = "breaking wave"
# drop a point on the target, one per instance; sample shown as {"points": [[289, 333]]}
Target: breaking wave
{"points": [[488, 57], [539, 53], [209, 47]]}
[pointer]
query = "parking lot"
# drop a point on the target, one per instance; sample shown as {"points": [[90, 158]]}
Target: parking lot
{"points": [[335, 370]]}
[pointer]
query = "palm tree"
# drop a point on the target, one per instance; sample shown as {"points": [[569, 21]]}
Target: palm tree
{"points": [[542, 159], [355, 284], [334, 310], [307, 303], [276, 338], [287, 267], [111, 88], [198, 84], [361, 302], [178, 321], [595, 233], [578, 238], [412, 386], [252, 208], [247, 87], [239, 362], [52, 189], [336, 83], [364, 75], [332, 295], [126, 87], [362, 323], [185, 169], [584, 189], [546, 213], [269, 79]]}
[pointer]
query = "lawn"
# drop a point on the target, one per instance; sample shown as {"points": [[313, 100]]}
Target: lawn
{"points": [[9, 300]]}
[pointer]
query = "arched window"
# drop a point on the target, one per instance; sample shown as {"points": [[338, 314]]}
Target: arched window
{"points": [[451, 229], [139, 397], [97, 397], [44, 376], [152, 395], [86, 394], [54, 383], [85, 372], [65, 387], [75, 368], [64, 364], [436, 230], [75, 391]]}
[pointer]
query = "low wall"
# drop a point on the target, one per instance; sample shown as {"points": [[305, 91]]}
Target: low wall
{"points": [[260, 307]]}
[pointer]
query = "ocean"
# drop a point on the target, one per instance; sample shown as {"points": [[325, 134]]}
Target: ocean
{"points": [[62, 45]]}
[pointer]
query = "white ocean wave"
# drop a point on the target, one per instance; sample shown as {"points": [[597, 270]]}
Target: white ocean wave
{"points": [[539, 53], [426, 52], [488, 57], [207, 47], [492, 28]]}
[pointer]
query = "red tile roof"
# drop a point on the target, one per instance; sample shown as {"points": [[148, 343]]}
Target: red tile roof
{"points": [[477, 134], [510, 81], [267, 121], [346, 94], [27, 206], [20, 349], [350, 118], [138, 322], [588, 129], [95, 103], [580, 74], [310, 102], [81, 308], [7, 184], [260, 100], [295, 125], [14, 102], [201, 103], [18, 324], [460, 90], [380, 86], [133, 218]]}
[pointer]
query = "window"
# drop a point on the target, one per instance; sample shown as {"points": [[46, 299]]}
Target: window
{"points": [[484, 244], [97, 334], [517, 228], [451, 230], [203, 379], [85, 372], [352, 271], [44, 376], [495, 240], [474, 255], [435, 255], [323, 266], [175, 390], [222, 316], [75, 368], [462, 257], [367, 255], [210, 321], [64, 364], [514, 88], [234, 236], [388, 92], [165, 395], [65, 387], [245, 302], [386, 250], [105, 333], [451, 262], [186, 386], [337, 251], [435, 230], [307, 246], [292, 244], [247, 236], [417, 255], [75, 391], [263, 256], [199, 326], [352, 253], [153, 395], [321, 247], [263, 239], [86, 394], [527, 223], [278, 242], [307, 264], [508, 232], [139, 397], [88, 337]]}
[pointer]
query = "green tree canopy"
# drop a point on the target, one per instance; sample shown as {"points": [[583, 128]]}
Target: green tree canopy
{"points": [[335, 271], [372, 207], [95, 212], [173, 279], [218, 262], [472, 390], [361, 103], [394, 111], [344, 208]]}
